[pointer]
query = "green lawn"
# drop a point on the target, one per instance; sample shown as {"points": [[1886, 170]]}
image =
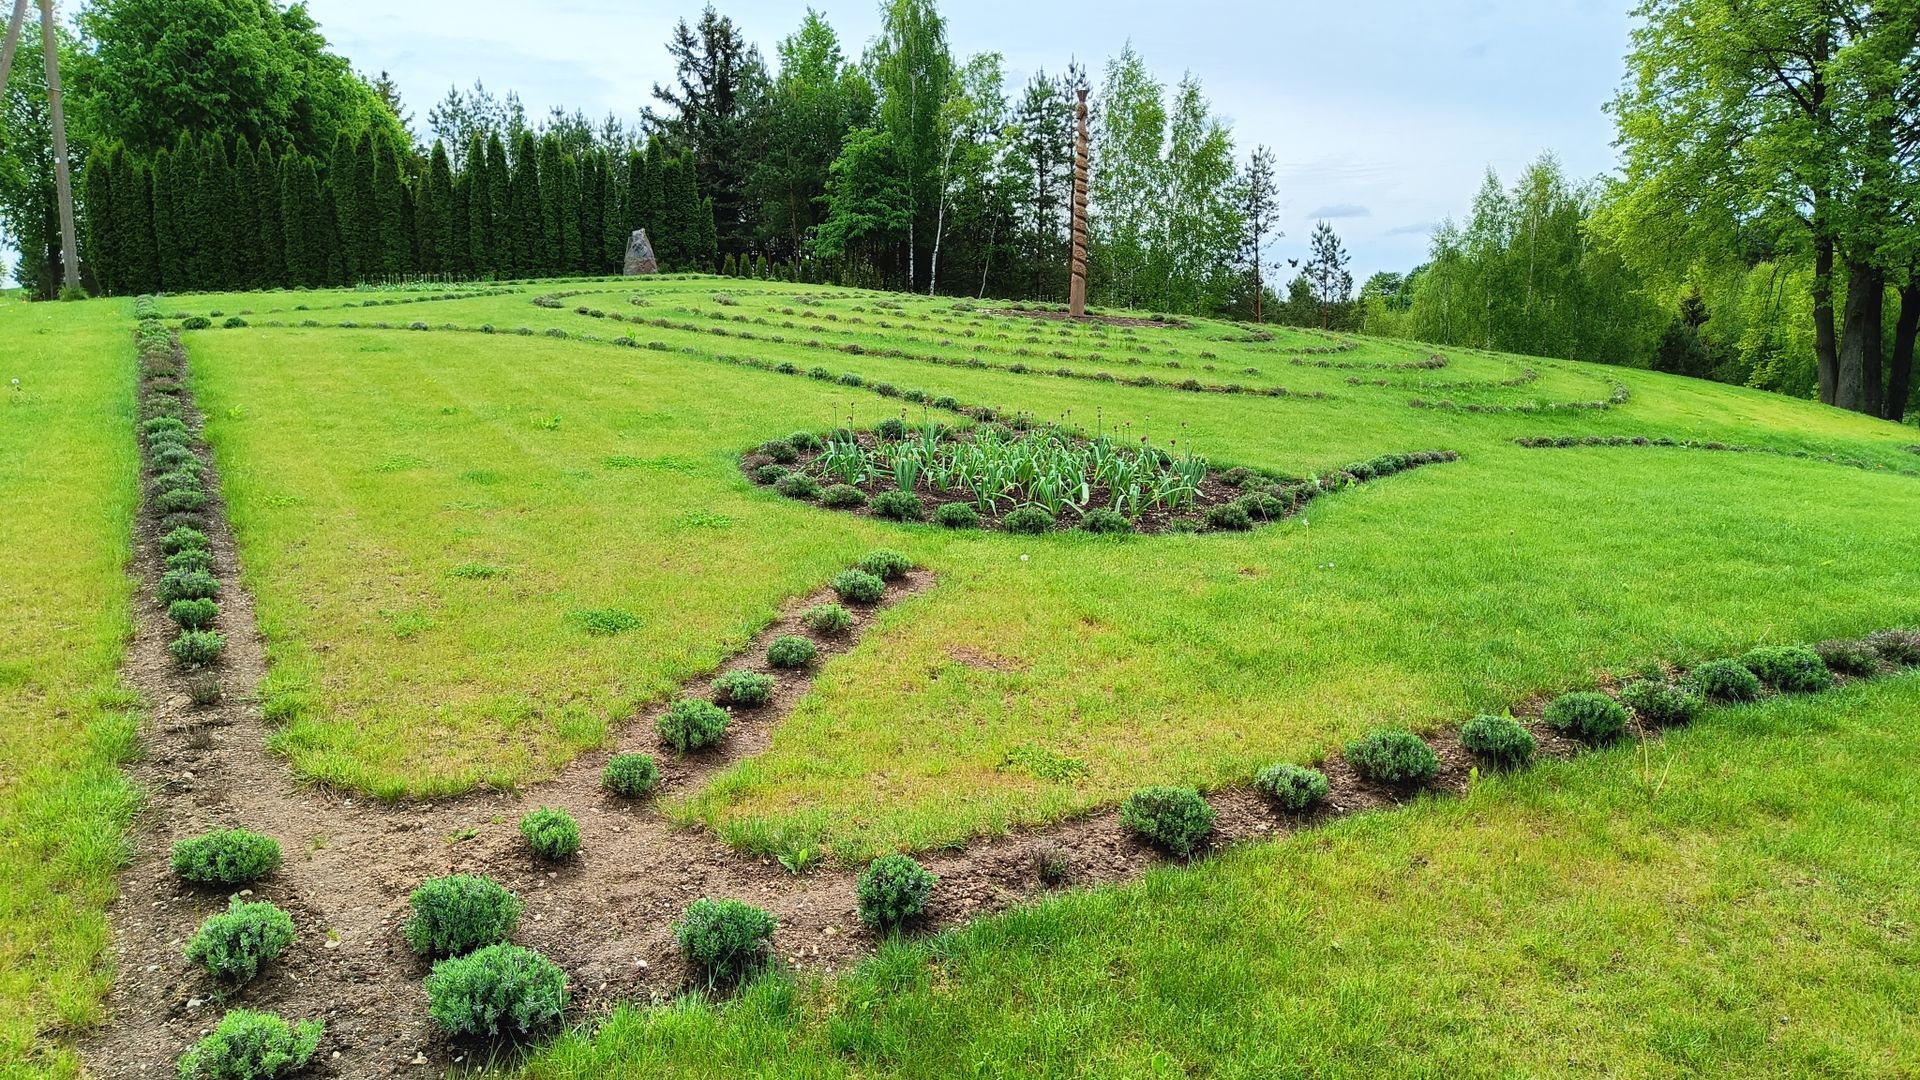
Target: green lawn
{"points": [[67, 465]]}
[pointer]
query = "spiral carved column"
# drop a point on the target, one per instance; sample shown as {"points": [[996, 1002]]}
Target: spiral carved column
{"points": [[1077, 290]]}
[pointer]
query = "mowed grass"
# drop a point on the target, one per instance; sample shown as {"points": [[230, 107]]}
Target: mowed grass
{"points": [[1739, 901], [68, 468], [366, 468]]}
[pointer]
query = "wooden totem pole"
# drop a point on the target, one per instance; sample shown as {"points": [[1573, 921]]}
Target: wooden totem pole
{"points": [[62, 174], [1077, 290]]}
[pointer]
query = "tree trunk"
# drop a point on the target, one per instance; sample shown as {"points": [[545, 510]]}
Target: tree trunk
{"points": [[1826, 352], [1858, 387], [1900, 369]]}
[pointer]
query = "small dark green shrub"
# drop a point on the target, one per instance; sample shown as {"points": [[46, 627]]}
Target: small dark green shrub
{"points": [[197, 322], [1028, 520], [1662, 704], [1231, 517], [725, 939], [1790, 669], [827, 619], [1292, 787], [886, 565], [1106, 521], [769, 474], [689, 724], [178, 479], [791, 651], [226, 857], [1900, 647], [174, 457], [1726, 680], [190, 559], [630, 775], [858, 586], [1176, 818], [843, 497], [233, 944], [184, 540], [1051, 864], [891, 428], [498, 990], [899, 505], [893, 889], [178, 499], [459, 913], [1500, 739], [1585, 714], [781, 451], [805, 440], [744, 687], [551, 832], [956, 515], [248, 1045], [164, 423], [193, 614], [187, 585], [197, 648], [798, 486], [204, 689], [235, 322], [1855, 658], [1393, 756]]}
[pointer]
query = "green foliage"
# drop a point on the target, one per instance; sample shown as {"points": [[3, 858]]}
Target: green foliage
{"points": [[196, 648], [1587, 715], [791, 651], [499, 990], [1231, 516], [235, 943], [551, 832], [843, 497], [177, 499], [1900, 647], [248, 1045], [886, 565], [459, 913], [1176, 818], [690, 724], [769, 474], [798, 486], [225, 857], [1028, 520], [1393, 756], [190, 559], [827, 619], [187, 585], [724, 939], [1662, 704], [630, 775], [1725, 680], [899, 505], [859, 587], [1106, 521], [197, 322], [1291, 787], [1789, 669], [604, 622], [1857, 658], [193, 614], [746, 687], [1499, 739], [893, 889], [956, 515]]}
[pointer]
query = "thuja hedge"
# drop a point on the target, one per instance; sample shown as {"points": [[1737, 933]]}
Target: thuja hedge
{"points": [[1548, 442]]}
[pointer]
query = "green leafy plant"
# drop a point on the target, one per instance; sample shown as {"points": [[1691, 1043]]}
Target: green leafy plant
{"points": [[1586, 714], [1176, 818], [859, 587], [235, 943], [1662, 704], [791, 651], [630, 775], [497, 990], [226, 857], [743, 688], [1725, 680], [827, 619], [886, 565], [1500, 739], [1790, 669], [248, 1045], [899, 506], [1393, 756], [196, 648], [724, 939], [1291, 787], [770, 474], [798, 486], [196, 322], [459, 913], [843, 497], [1102, 520], [179, 499], [551, 832], [690, 724], [1028, 520], [604, 622], [893, 889], [193, 614], [956, 515]]}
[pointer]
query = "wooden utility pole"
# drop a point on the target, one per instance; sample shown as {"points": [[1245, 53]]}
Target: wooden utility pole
{"points": [[62, 175], [1077, 289], [13, 40]]}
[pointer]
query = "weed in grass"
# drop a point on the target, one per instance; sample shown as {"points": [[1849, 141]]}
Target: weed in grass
{"points": [[604, 622], [1042, 763]]}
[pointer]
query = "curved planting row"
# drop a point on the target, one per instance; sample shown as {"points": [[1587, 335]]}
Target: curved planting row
{"points": [[1561, 442], [1620, 396]]}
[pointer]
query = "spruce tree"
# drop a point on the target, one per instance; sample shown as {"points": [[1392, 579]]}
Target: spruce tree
{"points": [[269, 219], [433, 214]]}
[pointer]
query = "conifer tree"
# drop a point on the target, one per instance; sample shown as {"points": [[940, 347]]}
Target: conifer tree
{"points": [[552, 207], [344, 194], [245, 268], [528, 250], [100, 244], [395, 239], [366, 239], [653, 195], [459, 224], [313, 255], [269, 218], [593, 196], [433, 214], [479, 230], [218, 260], [569, 206], [501, 238], [132, 184], [166, 223]]}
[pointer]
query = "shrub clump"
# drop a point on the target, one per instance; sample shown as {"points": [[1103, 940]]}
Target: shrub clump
{"points": [[791, 651], [1291, 787], [1663, 704], [724, 938], [1393, 756], [886, 565], [1500, 739], [843, 497], [1849, 657], [176, 500], [551, 832], [187, 585], [858, 586], [233, 944], [190, 559], [1106, 521], [226, 857], [196, 648], [744, 687], [956, 515], [1726, 680], [899, 505], [798, 486], [193, 614], [1176, 818], [893, 889], [196, 322], [499, 990], [630, 775], [1028, 520], [1896, 646], [248, 1045], [184, 539], [459, 913], [1585, 714], [689, 724], [827, 619], [769, 474], [1229, 517], [1790, 669]]}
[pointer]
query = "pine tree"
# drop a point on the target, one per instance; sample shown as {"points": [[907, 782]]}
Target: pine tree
{"points": [[434, 214], [100, 244], [502, 241], [528, 249], [269, 219]]}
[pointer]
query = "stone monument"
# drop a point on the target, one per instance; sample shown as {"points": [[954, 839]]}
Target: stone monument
{"points": [[1077, 287], [640, 255]]}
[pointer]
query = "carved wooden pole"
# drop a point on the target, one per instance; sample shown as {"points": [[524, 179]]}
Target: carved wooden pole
{"points": [[1077, 289], [13, 40], [62, 175]]}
